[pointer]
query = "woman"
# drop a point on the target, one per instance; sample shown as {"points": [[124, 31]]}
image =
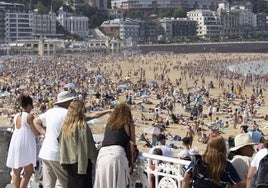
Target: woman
{"points": [[77, 147], [112, 168], [22, 149], [216, 171]]}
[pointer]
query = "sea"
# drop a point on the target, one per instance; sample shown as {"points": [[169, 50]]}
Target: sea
{"points": [[253, 68]]}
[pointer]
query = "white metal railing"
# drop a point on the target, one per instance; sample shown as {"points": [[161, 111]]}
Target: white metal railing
{"points": [[168, 171]]}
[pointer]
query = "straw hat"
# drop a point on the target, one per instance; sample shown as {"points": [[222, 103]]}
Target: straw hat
{"points": [[242, 140], [65, 96]]}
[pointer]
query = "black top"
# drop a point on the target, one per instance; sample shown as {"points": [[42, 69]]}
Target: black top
{"points": [[115, 137]]}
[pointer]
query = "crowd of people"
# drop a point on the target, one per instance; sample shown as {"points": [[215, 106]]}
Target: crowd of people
{"points": [[64, 88]]}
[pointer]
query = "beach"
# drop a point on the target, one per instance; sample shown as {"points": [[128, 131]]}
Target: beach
{"points": [[171, 83]]}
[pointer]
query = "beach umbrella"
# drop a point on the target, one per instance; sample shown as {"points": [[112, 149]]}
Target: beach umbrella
{"points": [[145, 96], [62, 83], [5, 94], [255, 135], [98, 76], [93, 121], [30, 70], [152, 130], [122, 86], [153, 82], [69, 86]]}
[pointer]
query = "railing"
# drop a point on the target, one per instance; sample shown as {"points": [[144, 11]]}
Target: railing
{"points": [[168, 172]]}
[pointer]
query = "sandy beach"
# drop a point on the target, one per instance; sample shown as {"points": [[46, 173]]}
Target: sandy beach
{"points": [[173, 83]]}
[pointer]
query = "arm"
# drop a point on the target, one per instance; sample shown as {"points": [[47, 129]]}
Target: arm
{"points": [[30, 119], [186, 180], [39, 126], [251, 173], [97, 114]]}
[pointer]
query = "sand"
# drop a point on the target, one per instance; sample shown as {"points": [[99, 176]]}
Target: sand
{"points": [[200, 67]]}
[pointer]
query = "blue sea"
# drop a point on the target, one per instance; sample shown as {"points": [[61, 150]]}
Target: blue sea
{"points": [[253, 67]]}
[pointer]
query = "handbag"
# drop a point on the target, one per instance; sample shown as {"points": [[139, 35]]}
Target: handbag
{"points": [[132, 153]]}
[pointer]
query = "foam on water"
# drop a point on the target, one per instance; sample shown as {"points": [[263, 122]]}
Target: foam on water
{"points": [[253, 67]]}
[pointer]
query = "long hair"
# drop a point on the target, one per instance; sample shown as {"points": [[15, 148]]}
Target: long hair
{"points": [[24, 100], [75, 118], [120, 116], [215, 157]]}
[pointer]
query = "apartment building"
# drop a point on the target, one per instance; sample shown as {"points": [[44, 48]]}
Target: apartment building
{"points": [[179, 27], [208, 23]]}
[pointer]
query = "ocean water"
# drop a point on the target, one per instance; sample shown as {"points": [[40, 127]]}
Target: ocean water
{"points": [[253, 67]]}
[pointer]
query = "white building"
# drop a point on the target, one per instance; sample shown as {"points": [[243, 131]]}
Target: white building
{"points": [[208, 23], [74, 24], [129, 29], [18, 26]]}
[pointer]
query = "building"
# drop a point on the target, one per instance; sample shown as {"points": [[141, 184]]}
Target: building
{"points": [[18, 26], [2, 24], [208, 23], [111, 28], [203, 4], [44, 24], [158, 4], [129, 29], [179, 27], [74, 24]]}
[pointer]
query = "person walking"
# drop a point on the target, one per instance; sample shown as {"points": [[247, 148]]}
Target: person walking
{"points": [[22, 149], [112, 167], [77, 147], [213, 169]]}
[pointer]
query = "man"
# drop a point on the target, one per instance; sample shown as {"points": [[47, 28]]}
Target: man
{"points": [[49, 124], [161, 143], [243, 151]]}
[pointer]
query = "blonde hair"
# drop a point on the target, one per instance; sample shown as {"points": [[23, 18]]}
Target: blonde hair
{"points": [[75, 118], [120, 116], [215, 157]]}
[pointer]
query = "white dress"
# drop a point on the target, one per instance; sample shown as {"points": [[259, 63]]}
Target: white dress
{"points": [[22, 149]]}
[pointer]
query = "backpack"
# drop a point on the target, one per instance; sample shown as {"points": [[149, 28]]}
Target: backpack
{"points": [[261, 177]]}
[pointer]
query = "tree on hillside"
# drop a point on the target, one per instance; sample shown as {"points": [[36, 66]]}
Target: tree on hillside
{"points": [[179, 13]]}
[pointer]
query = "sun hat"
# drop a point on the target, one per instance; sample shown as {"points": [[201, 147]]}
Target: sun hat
{"points": [[194, 151], [161, 137], [65, 96], [242, 140]]}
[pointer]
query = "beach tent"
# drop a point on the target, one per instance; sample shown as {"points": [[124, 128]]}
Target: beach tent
{"points": [[98, 76], [152, 130], [122, 86], [69, 86], [152, 82]]}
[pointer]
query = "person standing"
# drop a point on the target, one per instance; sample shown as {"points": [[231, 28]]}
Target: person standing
{"points": [[22, 149], [112, 167], [49, 124], [77, 147]]}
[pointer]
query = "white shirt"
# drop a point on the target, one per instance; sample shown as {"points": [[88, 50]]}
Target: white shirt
{"points": [[241, 165], [258, 157], [52, 119]]}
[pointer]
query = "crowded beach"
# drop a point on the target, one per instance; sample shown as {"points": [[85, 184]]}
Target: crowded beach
{"points": [[174, 95]]}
